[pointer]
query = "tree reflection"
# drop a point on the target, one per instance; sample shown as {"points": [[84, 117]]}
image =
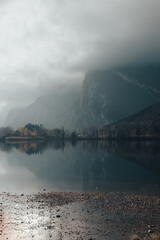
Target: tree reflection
{"points": [[145, 153], [30, 148]]}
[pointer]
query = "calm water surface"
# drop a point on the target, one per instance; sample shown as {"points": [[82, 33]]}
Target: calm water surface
{"points": [[82, 166]]}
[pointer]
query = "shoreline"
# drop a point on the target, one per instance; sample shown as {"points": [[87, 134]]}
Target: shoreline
{"points": [[40, 138], [80, 215]]}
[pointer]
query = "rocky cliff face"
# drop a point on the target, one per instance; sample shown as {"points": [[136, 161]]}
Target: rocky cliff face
{"points": [[106, 96]]}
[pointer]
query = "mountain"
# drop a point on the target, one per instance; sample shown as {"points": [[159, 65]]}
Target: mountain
{"points": [[111, 95], [53, 110], [11, 119], [146, 123], [106, 96]]}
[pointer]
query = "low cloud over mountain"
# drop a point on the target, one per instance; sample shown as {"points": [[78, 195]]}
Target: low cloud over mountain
{"points": [[48, 43]]}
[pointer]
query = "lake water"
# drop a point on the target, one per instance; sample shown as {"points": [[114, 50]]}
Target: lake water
{"points": [[80, 166]]}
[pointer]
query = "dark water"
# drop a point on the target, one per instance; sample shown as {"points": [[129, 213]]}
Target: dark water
{"points": [[81, 166]]}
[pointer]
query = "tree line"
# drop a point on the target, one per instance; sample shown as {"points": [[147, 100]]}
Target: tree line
{"points": [[119, 130], [39, 131]]}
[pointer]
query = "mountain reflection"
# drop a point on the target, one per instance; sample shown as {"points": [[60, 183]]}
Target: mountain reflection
{"points": [[86, 164], [145, 153]]}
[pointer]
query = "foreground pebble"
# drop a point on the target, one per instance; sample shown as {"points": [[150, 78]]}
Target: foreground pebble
{"points": [[98, 216]]}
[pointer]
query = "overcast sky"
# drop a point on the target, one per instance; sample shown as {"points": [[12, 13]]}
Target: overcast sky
{"points": [[48, 42]]}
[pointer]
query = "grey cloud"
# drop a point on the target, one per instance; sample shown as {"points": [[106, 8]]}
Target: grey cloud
{"points": [[48, 43], [114, 32]]}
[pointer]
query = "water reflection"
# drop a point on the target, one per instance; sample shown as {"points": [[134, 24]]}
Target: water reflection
{"points": [[31, 147], [84, 165]]}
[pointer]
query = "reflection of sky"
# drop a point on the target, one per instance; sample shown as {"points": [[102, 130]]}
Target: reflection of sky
{"points": [[16, 178], [70, 169], [3, 165], [19, 176]]}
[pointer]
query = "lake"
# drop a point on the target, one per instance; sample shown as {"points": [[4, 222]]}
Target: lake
{"points": [[80, 166]]}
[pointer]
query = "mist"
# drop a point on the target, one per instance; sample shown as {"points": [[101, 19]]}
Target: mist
{"points": [[49, 44]]}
